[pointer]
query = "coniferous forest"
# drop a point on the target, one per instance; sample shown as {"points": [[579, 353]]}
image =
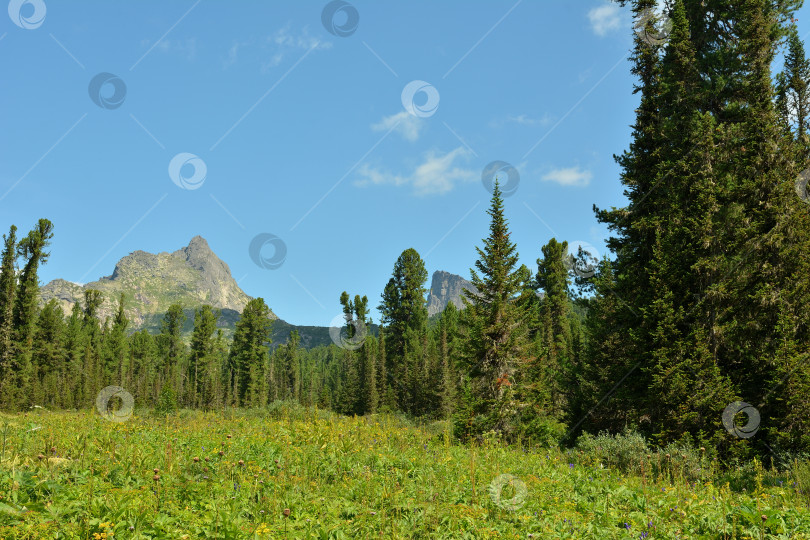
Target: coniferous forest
{"points": [[703, 301]]}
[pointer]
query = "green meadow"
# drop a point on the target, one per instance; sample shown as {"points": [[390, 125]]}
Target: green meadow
{"points": [[291, 472]]}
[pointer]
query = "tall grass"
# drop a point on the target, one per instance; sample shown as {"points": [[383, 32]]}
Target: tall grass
{"points": [[293, 472]]}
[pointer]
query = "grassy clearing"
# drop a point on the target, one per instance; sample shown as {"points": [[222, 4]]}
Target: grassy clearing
{"points": [[235, 475]]}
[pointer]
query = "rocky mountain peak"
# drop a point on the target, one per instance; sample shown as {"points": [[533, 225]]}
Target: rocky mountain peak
{"points": [[191, 276], [197, 248], [445, 288], [198, 255]]}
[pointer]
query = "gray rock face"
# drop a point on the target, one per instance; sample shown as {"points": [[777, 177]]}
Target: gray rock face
{"points": [[191, 276], [446, 288]]}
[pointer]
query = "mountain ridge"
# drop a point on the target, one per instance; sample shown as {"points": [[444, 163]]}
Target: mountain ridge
{"points": [[191, 276]]}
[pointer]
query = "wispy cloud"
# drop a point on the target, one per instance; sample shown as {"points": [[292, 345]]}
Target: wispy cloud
{"points": [[406, 124], [436, 175], [572, 176], [233, 53], [521, 119], [528, 121], [604, 19], [284, 41], [187, 48], [271, 50]]}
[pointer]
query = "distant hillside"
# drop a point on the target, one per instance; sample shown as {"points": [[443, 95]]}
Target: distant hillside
{"points": [[311, 336]]}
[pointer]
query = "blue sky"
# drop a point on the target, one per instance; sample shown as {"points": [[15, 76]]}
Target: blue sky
{"points": [[344, 147]]}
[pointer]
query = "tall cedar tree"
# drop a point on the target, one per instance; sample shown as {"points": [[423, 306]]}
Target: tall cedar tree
{"points": [[144, 367], [404, 316], [555, 363], [791, 379], [115, 346], [353, 396], [384, 389], [249, 376], [172, 348], [710, 247], [447, 337], [48, 356], [91, 344], [8, 288], [32, 250], [793, 91], [203, 368], [495, 328], [680, 361], [611, 378], [772, 285], [290, 374]]}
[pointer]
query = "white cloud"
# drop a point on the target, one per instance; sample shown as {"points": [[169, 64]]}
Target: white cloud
{"points": [[283, 42], [436, 175], [521, 119], [271, 50], [528, 121], [284, 38], [604, 19], [403, 123], [186, 48], [233, 53], [571, 176]]}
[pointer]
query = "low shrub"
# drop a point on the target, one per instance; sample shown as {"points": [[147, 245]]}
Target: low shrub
{"points": [[629, 453]]}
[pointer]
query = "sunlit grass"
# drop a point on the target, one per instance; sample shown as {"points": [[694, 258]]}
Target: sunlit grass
{"points": [[233, 474]]}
